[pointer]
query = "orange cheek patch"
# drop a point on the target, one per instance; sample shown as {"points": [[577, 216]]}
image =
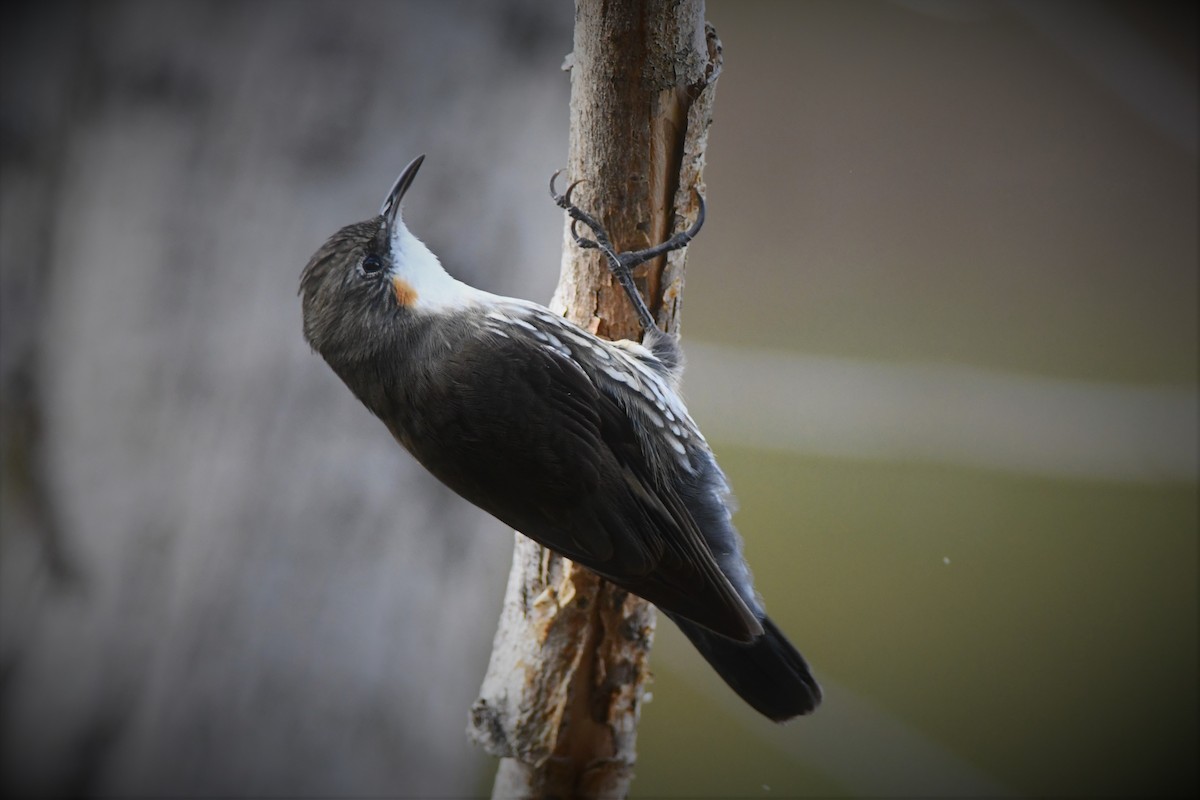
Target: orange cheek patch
{"points": [[406, 295]]}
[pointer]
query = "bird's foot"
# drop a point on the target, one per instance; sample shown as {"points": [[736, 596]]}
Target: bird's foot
{"points": [[622, 264]]}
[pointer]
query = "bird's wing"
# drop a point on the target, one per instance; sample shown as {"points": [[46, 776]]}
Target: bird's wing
{"points": [[520, 430]]}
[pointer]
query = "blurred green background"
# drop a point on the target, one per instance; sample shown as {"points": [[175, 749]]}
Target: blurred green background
{"points": [[942, 334], [978, 222]]}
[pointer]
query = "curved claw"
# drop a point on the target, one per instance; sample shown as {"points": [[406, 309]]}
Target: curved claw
{"points": [[563, 200], [582, 241], [558, 198], [699, 223]]}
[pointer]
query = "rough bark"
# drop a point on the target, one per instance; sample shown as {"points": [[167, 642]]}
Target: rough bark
{"points": [[562, 696]]}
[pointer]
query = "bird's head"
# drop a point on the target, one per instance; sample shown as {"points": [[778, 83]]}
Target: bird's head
{"points": [[365, 280]]}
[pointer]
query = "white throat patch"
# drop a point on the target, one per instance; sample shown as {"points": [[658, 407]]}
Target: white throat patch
{"points": [[415, 266]]}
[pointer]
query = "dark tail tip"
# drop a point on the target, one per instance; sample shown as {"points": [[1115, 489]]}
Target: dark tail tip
{"points": [[768, 673]]}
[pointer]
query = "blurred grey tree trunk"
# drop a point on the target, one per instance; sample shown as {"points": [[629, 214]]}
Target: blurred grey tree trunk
{"points": [[564, 690], [220, 577]]}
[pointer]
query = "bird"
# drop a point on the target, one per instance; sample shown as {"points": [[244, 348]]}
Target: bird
{"points": [[580, 443]]}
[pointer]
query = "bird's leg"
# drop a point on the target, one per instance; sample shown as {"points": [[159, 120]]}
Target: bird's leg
{"points": [[622, 264]]}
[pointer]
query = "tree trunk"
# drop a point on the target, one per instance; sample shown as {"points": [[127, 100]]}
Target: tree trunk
{"points": [[562, 695]]}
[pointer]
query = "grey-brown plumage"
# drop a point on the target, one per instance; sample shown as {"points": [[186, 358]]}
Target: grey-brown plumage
{"points": [[581, 444]]}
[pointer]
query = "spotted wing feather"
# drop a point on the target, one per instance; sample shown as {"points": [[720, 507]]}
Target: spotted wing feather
{"points": [[547, 452]]}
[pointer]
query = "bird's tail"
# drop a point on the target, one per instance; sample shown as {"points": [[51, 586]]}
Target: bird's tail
{"points": [[768, 673]]}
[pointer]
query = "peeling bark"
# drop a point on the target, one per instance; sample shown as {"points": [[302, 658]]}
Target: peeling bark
{"points": [[562, 696]]}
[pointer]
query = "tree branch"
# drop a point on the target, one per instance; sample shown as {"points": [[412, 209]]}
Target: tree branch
{"points": [[562, 695]]}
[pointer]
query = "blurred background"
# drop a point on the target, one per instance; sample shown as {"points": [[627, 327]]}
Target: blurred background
{"points": [[942, 330]]}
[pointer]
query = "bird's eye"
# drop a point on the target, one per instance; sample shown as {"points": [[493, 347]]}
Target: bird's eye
{"points": [[371, 264]]}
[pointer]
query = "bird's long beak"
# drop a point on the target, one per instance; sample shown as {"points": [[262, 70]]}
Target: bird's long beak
{"points": [[391, 206]]}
